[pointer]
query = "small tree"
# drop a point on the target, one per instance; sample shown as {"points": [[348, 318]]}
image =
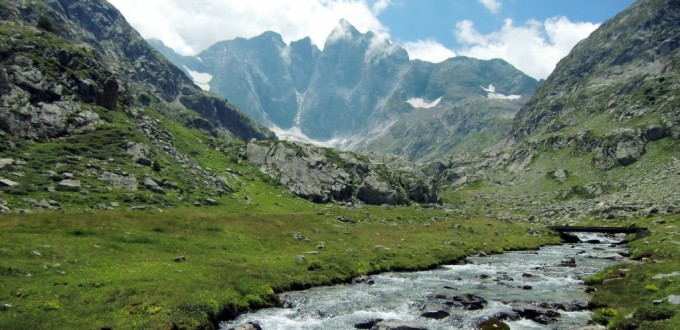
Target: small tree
{"points": [[45, 24], [156, 166]]}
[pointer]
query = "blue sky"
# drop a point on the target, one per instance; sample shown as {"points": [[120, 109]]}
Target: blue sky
{"points": [[421, 19], [533, 35]]}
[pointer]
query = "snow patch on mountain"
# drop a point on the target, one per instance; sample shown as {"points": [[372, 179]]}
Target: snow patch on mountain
{"points": [[295, 134], [200, 78], [420, 102], [492, 94]]}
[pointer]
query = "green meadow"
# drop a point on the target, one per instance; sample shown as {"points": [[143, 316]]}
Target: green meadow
{"points": [[190, 267]]}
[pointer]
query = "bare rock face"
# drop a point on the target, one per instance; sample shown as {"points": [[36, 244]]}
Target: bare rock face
{"points": [[324, 175]]}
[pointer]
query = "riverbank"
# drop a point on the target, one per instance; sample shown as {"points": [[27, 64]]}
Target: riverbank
{"points": [[190, 268], [645, 295]]}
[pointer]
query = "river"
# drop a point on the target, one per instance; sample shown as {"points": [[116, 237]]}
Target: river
{"points": [[505, 281]]}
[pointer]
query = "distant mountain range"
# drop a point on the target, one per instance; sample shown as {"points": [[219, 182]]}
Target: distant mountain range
{"points": [[361, 92]]}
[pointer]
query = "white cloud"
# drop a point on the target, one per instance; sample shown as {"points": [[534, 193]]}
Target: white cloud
{"points": [[492, 5], [428, 50], [535, 47], [380, 5], [191, 26]]}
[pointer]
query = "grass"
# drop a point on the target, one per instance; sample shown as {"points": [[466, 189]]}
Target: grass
{"points": [[118, 269], [626, 292]]}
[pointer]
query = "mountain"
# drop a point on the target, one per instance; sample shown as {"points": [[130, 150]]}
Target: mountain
{"points": [[88, 108], [616, 91], [351, 93], [599, 138]]}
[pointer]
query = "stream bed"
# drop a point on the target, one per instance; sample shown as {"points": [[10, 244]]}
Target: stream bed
{"points": [[516, 287]]}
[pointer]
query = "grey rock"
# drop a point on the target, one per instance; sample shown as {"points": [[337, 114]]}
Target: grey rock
{"points": [[674, 299], [628, 152], [397, 325], [469, 301], [363, 280], [125, 182], [68, 185], [140, 153], [248, 326], [535, 313], [376, 192], [323, 175], [8, 183], [152, 185], [435, 311], [6, 161], [368, 324], [492, 324], [212, 202], [661, 276], [560, 175], [568, 262]]}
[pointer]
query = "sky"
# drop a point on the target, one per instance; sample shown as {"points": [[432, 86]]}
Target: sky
{"points": [[532, 35]]}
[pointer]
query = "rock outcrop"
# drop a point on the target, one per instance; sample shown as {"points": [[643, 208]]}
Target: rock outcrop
{"points": [[324, 175]]}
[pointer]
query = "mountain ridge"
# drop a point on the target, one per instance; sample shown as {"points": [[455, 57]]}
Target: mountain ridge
{"points": [[352, 91]]}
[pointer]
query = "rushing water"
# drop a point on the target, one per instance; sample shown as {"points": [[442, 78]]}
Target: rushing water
{"points": [[500, 279]]}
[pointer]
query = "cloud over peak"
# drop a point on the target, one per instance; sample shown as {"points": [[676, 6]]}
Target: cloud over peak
{"points": [[535, 47], [189, 27], [492, 5]]}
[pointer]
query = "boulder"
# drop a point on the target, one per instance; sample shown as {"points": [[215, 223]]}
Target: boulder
{"points": [[397, 325], [363, 280], [435, 311], [373, 191], [325, 175], [6, 161], [68, 185], [152, 185], [140, 153], [492, 324], [8, 183], [248, 326], [535, 313], [125, 182], [368, 324], [469, 301], [628, 152], [568, 262]]}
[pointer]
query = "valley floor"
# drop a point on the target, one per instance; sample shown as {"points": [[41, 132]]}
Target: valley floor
{"points": [[190, 267]]}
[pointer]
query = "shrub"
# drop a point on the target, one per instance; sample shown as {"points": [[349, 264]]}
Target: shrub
{"points": [[651, 288], [45, 24], [653, 313], [604, 315]]}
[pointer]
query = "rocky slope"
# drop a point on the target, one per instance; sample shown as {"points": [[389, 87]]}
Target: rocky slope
{"points": [[599, 138], [627, 73], [88, 108], [93, 117], [352, 93], [325, 175]]}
